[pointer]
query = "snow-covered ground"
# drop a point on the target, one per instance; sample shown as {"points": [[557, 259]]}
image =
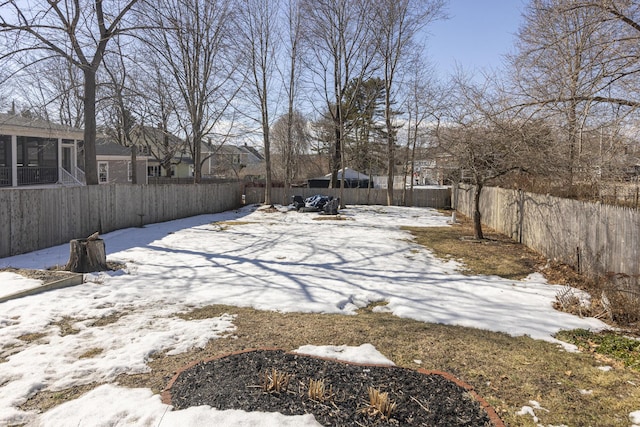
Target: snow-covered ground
{"points": [[282, 261]]}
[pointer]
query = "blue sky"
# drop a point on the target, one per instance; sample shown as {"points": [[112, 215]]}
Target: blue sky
{"points": [[476, 35]]}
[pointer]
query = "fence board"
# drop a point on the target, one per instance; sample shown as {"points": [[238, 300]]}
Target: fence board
{"points": [[32, 219], [594, 238]]}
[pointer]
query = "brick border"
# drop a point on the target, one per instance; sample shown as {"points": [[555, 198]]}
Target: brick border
{"points": [[491, 413]]}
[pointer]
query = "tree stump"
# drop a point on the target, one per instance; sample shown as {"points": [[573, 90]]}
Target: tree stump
{"points": [[87, 255]]}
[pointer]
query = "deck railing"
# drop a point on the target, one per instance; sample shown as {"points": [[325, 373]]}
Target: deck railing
{"points": [[33, 175], [5, 176], [67, 178]]}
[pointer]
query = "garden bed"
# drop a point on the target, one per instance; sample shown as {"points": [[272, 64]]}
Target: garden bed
{"points": [[336, 393]]}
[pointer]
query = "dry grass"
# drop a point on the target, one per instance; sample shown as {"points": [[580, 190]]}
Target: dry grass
{"points": [[92, 352], [379, 403], [507, 371], [29, 338], [66, 326], [319, 391], [496, 255], [274, 381]]}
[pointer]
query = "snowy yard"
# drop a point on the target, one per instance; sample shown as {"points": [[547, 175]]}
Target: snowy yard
{"points": [[283, 261]]}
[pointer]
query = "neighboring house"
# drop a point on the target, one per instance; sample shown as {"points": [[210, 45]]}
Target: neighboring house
{"points": [[230, 161], [168, 154], [352, 179], [34, 151], [114, 163]]}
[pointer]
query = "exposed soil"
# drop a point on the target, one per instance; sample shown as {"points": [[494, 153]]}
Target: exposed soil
{"points": [[238, 382]]}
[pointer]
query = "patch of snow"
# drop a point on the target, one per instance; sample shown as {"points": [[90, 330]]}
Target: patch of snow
{"points": [[365, 353], [634, 417], [110, 405], [12, 283], [605, 368], [528, 410]]}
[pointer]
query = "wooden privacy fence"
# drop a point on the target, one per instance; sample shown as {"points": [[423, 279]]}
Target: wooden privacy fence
{"points": [[422, 197], [32, 219], [596, 239]]}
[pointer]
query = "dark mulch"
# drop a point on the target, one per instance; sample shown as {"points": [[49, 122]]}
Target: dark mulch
{"points": [[234, 382]]}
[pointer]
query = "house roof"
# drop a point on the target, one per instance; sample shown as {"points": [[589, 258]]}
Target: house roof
{"points": [[254, 155], [253, 151], [17, 124], [347, 174], [150, 133], [106, 147]]}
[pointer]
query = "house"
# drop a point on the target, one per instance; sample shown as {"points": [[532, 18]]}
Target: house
{"points": [[114, 163], [168, 154], [230, 161], [352, 179], [34, 151]]}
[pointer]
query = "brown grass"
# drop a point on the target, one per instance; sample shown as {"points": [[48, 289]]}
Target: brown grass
{"points": [[92, 352]]}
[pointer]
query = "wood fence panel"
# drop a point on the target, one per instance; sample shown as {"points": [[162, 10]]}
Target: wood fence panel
{"points": [[433, 198], [594, 238], [32, 219], [7, 218]]}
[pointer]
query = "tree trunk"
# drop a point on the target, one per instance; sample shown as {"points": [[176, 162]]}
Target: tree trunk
{"points": [[90, 162], [477, 224], [87, 255], [134, 162]]}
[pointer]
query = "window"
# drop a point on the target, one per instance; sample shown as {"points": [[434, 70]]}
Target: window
{"points": [[103, 172]]}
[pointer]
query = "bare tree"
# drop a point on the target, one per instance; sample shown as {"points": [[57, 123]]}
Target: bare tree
{"points": [[77, 31], [423, 101], [119, 104], [157, 117], [290, 142], [52, 88], [488, 141], [291, 77], [340, 42], [557, 67], [577, 64], [257, 37], [192, 40], [397, 23]]}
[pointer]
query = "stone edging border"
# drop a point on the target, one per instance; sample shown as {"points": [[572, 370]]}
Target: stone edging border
{"points": [[491, 413]]}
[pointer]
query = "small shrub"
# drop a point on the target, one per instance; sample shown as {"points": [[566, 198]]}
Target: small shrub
{"points": [[621, 299], [608, 343]]}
